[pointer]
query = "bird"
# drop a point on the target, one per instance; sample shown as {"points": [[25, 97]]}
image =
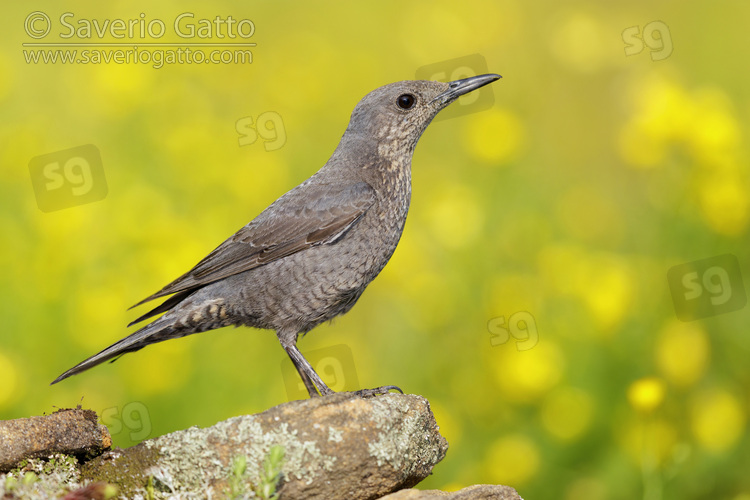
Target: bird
{"points": [[309, 256]]}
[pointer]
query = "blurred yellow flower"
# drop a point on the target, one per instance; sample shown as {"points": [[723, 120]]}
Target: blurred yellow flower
{"points": [[607, 288], [682, 352], [713, 129], [646, 394], [524, 376], [663, 114], [512, 459], [725, 202], [666, 114], [717, 419]]}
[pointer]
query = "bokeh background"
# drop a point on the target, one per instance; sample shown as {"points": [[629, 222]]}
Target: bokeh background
{"points": [[529, 298]]}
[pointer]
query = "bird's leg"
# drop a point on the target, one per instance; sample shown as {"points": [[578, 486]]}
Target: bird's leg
{"points": [[309, 377], [311, 389], [312, 380]]}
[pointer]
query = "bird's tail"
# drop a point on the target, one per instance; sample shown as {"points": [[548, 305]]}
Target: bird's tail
{"points": [[163, 328]]}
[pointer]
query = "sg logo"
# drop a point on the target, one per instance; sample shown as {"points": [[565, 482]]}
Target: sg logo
{"points": [[334, 364], [270, 128], [133, 416], [457, 69], [68, 178], [707, 287], [655, 36], [521, 326]]}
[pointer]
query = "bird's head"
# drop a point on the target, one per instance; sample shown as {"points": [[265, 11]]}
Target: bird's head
{"points": [[394, 116]]}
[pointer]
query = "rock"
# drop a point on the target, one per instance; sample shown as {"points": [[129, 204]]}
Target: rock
{"points": [[67, 431], [339, 446], [476, 492]]}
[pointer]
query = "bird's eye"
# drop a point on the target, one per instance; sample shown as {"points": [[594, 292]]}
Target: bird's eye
{"points": [[406, 101]]}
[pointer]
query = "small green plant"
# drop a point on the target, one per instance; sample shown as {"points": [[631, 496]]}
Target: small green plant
{"points": [[110, 491], [236, 484], [29, 478], [271, 474], [56, 462], [10, 484], [150, 488]]}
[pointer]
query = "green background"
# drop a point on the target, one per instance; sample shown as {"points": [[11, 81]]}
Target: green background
{"points": [[565, 204]]}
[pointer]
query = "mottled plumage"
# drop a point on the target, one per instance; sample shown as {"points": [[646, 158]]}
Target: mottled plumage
{"points": [[308, 257]]}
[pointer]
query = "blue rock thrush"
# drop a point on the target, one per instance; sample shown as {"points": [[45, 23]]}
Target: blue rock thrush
{"points": [[308, 257]]}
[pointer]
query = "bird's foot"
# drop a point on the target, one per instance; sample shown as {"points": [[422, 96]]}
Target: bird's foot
{"points": [[324, 391], [377, 391]]}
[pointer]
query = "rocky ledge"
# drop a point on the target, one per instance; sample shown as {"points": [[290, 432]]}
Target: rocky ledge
{"points": [[335, 447]]}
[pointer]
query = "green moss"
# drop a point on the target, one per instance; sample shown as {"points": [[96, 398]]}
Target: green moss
{"points": [[130, 471]]}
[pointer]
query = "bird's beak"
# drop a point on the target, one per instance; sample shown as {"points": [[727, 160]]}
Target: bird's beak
{"points": [[460, 87]]}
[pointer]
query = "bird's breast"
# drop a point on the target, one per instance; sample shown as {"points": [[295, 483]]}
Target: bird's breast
{"points": [[387, 218]]}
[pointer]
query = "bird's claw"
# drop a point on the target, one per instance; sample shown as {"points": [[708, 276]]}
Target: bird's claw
{"points": [[377, 391]]}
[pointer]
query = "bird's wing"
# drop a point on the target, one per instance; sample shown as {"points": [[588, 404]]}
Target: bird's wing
{"points": [[309, 215]]}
